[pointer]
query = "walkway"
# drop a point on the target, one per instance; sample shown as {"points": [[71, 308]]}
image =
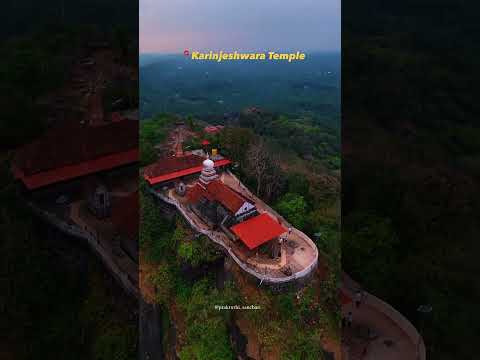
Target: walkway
{"points": [[104, 232]]}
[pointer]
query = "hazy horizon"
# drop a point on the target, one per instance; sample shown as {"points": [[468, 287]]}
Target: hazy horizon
{"points": [[304, 25], [312, 52]]}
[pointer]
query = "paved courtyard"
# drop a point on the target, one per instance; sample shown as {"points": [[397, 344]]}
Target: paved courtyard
{"points": [[378, 332]]}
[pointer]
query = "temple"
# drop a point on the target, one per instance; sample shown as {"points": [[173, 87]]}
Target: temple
{"points": [[199, 185], [168, 171], [72, 151], [222, 207]]}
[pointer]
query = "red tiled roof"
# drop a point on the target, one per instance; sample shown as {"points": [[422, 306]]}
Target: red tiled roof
{"points": [[213, 129], [196, 192], [217, 191], [68, 172], [258, 230], [176, 167], [232, 200], [169, 165], [73, 144]]}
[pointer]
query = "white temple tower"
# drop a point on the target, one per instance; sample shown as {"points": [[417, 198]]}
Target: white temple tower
{"points": [[208, 173]]}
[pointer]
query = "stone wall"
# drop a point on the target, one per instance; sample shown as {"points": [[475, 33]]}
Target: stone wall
{"points": [[297, 279], [124, 279]]}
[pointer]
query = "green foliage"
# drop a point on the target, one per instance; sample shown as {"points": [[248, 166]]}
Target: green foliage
{"points": [[369, 247], [298, 184], [153, 132], [287, 307], [334, 162], [304, 346], [207, 332], [178, 235], [148, 153], [197, 251], [234, 142], [192, 143], [192, 123], [328, 242], [164, 281], [209, 90], [301, 134], [294, 208], [156, 236], [188, 252]]}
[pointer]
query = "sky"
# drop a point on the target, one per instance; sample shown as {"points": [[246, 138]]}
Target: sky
{"points": [[244, 25]]}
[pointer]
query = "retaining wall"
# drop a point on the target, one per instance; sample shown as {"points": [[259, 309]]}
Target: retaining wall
{"points": [[386, 309], [92, 240], [298, 278]]}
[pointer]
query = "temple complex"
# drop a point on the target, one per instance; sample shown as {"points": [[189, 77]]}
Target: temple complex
{"points": [[215, 203], [81, 175], [222, 207]]}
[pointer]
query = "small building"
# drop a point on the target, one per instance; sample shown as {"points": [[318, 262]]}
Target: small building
{"points": [[213, 129], [259, 231], [216, 203]]}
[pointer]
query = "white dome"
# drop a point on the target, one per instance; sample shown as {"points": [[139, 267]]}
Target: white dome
{"points": [[209, 164]]}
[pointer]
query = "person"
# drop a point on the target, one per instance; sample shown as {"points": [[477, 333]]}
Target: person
{"points": [[349, 319], [358, 298]]}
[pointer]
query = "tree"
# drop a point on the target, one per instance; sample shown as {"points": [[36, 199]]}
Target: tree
{"points": [[294, 208], [156, 238], [207, 334], [148, 153], [164, 281], [235, 141], [265, 169], [298, 183]]}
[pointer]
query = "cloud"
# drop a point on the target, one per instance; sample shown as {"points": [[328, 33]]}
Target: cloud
{"points": [[244, 25]]}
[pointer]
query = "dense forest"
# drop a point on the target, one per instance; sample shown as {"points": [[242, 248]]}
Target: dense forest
{"points": [[218, 91], [411, 146], [33, 66]]}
